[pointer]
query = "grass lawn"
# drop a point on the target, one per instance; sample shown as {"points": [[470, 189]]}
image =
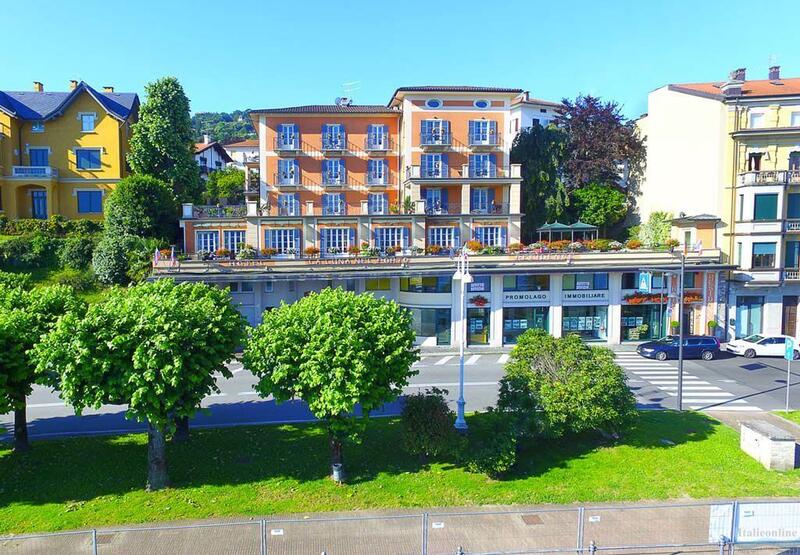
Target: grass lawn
{"points": [[260, 470], [794, 416]]}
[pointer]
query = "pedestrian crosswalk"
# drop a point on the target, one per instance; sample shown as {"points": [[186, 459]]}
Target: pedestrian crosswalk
{"points": [[495, 359], [656, 382]]}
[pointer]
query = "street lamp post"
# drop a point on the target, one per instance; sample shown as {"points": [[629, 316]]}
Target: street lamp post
{"points": [[463, 277], [680, 332]]}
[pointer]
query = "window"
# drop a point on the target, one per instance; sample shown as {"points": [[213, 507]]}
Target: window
{"points": [[284, 240], [794, 161], [739, 253], [433, 103], [37, 127], [793, 206], [247, 287], [687, 238], [573, 282], [288, 204], [87, 158], [434, 166], [377, 172], [207, 241], [377, 136], [795, 119], [336, 240], [445, 237], [435, 132], [386, 237], [333, 136], [377, 203], [481, 200], [233, 287], [480, 284], [482, 165], [741, 207], [691, 280], [87, 121], [763, 255], [534, 282], [482, 104], [90, 202], [431, 322], [757, 119], [491, 236], [233, 239], [333, 172], [288, 172], [377, 284], [430, 284], [435, 200], [288, 137], [333, 204], [39, 156], [630, 280], [482, 132], [269, 286], [792, 256], [765, 206]]}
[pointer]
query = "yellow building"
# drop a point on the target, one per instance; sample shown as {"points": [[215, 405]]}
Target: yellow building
{"points": [[61, 152], [731, 149]]}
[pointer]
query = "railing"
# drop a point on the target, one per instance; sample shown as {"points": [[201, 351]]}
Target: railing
{"points": [[287, 142], [493, 208], [435, 138], [489, 172], [33, 171], [252, 184], [334, 142], [770, 177], [207, 212], [791, 274], [287, 179], [334, 178], [484, 139], [444, 172], [385, 179], [439, 209], [289, 209], [378, 144], [793, 225]]}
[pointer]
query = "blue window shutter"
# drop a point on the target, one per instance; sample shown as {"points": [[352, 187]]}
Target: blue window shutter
{"points": [[405, 237], [457, 236], [426, 128], [492, 165], [325, 167], [296, 165], [375, 237], [473, 199], [503, 236], [352, 236], [472, 169], [490, 199], [471, 130], [446, 128], [97, 201], [268, 238], [430, 236], [445, 166], [444, 201], [296, 238], [323, 240]]}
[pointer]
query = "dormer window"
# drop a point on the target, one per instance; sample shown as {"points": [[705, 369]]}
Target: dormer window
{"points": [[433, 103], [87, 121], [37, 126]]}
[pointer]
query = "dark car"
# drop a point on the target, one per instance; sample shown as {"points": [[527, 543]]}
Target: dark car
{"points": [[694, 346]]}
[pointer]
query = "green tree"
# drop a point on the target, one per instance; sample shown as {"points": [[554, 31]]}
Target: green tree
{"points": [[154, 347], [227, 183], [143, 206], [600, 205], [223, 126], [540, 150], [656, 230], [554, 386], [25, 317], [334, 350], [162, 144]]}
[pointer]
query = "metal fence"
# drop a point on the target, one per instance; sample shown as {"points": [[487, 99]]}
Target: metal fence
{"points": [[757, 528]]}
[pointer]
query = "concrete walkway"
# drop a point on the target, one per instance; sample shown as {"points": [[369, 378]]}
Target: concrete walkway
{"points": [[735, 419]]}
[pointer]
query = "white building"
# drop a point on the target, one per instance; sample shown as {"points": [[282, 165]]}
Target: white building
{"points": [[210, 156], [243, 152], [527, 112]]}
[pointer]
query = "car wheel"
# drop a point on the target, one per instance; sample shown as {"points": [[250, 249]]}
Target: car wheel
{"points": [[796, 355], [661, 356], [707, 355], [750, 353]]}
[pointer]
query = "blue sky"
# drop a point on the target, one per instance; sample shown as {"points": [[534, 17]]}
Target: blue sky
{"points": [[231, 55]]}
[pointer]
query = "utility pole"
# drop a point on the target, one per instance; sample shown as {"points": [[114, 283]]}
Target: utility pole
{"points": [[680, 331]]}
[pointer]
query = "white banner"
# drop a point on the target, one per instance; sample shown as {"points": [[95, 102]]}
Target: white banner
{"points": [[585, 297], [767, 522], [526, 298]]}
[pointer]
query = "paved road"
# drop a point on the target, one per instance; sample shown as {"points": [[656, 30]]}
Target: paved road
{"points": [[730, 383]]}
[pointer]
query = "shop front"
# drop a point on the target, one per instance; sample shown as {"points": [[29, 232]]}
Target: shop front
{"points": [[585, 306], [479, 312], [526, 305], [643, 322]]}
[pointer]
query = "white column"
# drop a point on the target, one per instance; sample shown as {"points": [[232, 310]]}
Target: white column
{"points": [[496, 315], [556, 312], [456, 308], [309, 233], [418, 233], [614, 308], [465, 197]]}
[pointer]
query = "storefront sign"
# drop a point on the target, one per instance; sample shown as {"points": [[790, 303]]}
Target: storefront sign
{"points": [[545, 256], [523, 298], [585, 297]]}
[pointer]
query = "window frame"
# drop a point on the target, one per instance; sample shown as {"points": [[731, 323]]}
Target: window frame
{"points": [[99, 151], [765, 260], [201, 240], [93, 116], [773, 197], [80, 193]]}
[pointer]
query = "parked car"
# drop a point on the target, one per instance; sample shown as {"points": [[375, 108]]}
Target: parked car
{"points": [[694, 346], [758, 345]]}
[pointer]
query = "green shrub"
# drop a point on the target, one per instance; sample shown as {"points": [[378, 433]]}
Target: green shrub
{"points": [[110, 260], [140, 257], [142, 206], [54, 226], [491, 447], [428, 424], [79, 280], [29, 251], [13, 279], [76, 252]]}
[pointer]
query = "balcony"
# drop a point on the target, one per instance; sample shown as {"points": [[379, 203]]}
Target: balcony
{"points": [[334, 179], [514, 171], [237, 211], [287, 179], [440, 209], [770, 177], [334, 142], [380, 180], [378, 144], [791, 274], [793, 226], [34, 172], [493, 209], [484, 140], [287, 142], [435, 139]]}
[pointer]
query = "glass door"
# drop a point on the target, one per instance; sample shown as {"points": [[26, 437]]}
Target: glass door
{"points": [[748, 315], [478, 326], [39, 204]]}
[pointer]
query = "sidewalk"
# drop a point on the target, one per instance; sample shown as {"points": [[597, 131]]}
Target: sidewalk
{"points": [[735, 419]]}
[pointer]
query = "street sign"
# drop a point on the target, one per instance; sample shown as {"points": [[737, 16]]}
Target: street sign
{"points": [[645, 282], [789, 352]]}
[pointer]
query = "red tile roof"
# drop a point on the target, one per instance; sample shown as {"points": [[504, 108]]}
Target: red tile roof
{"points": [[756, 88], [247, 143]]}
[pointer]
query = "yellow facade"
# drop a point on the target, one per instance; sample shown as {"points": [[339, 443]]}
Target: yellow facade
{"points": [[61, 136]]}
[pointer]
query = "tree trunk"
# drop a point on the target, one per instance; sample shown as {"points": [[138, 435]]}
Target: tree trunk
{"points": [[157, 477], [181, 429], [336, 456], [21, 429]]}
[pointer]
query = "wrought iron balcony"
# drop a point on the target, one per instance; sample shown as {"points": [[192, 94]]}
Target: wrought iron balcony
{"points": [[338, 178], [334, 141], [770, 177], [484, 139], [378, 143], [433, 208], [435, 138], [287, 179], [287, 142]]}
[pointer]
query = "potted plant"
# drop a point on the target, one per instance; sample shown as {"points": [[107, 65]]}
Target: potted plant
{"points": [[633, 244], [674, 326], [246, 252], [514, 248], [268, 252], [576, 246], [712, 327], [614, 245], [433, 249], [473, 246], [353, 250], [671, 244], [223, 253], [311, 251]]}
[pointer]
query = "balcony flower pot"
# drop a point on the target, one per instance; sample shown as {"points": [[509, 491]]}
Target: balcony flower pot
{"points": [[268, 252], [311, 252], [473, 246]]}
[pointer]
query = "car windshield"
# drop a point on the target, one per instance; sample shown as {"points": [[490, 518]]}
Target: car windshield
{"points": [[668, 340], [755, 338]]}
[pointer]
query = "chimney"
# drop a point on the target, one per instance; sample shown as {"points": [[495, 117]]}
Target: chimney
{"points": [[733, 86], [206, 139], [739, 74], [775, 73], [73, 84], [108, 89], [38, 87]]}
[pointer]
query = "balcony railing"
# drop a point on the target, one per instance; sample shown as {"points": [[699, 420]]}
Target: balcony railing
{"points": [[435, 138], [770, 177], [380, 180], [337, 209], [287, 179], [215, 212], [493, 208], [34, 171], [334, 141], [443, 172], [791, 274], [287, 142], [378, 143], [289, 209], [334, 178], [439, 209], [793, 225], [479, 139]]}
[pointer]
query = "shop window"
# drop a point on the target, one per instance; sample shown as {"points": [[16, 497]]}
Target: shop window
{"points": [[534, 282], [642, 322], [573, 282], [519, 319], [428, 284], [630, 280], [589, 322], [247, 287], [480, 284], [431, 322], [378, 284], [478, 326]]}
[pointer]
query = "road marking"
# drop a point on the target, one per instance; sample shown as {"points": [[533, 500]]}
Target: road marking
{"points": [[655, 372], [218, 395], [503, 359], [473, 359], [740, 408], [45, 405], [691, 388], [450, 384], [247, 393], [687, 394], [443, 360], [712, 401]]}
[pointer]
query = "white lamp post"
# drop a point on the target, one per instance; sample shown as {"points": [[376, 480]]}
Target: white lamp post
{"points": [[463, 277]]}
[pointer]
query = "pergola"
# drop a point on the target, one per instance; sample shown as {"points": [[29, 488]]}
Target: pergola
{"points": [[576, 231]]}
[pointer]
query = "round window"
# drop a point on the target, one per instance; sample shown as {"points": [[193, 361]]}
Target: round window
{"points": [[433, 103], [481, 104]]}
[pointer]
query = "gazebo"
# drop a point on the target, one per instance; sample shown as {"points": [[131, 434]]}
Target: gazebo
{"points": [[577, 231]]}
